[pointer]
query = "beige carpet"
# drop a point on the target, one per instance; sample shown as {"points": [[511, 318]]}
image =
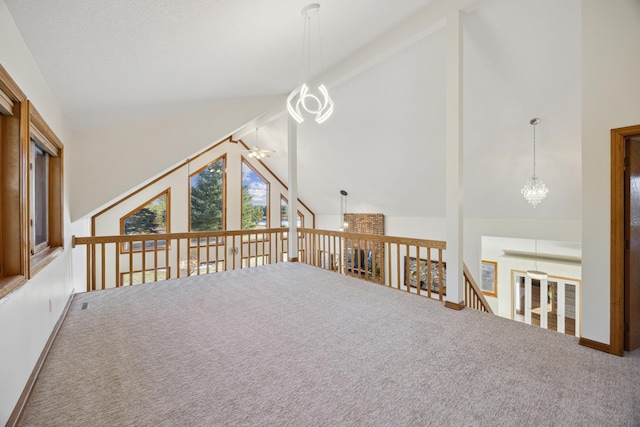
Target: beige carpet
{"points": [[293, 345]]}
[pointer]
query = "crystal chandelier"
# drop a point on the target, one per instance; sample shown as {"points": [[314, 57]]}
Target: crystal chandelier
{"points": [[534, 190], [302, 98]]}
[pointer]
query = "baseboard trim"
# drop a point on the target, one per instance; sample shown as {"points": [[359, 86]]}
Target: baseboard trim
{"points": [[596, 345], [24, 397], [454, 305]]}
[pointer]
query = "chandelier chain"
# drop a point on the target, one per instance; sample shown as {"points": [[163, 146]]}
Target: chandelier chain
{"points": [[534, 189], [534, 149]]}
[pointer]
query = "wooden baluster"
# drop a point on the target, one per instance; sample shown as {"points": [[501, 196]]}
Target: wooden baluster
{"points": [[155, 260], [398, 282], [419, 272], [144, 261], [117, 262], [90, 268], [167, 269], [429, 275], [178, 244], [442, 285], [407, 259]]}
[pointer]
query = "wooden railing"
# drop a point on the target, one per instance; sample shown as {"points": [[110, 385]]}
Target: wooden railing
{"points": [[473, 296], [411, 265], [396, 262], [114, 261]]}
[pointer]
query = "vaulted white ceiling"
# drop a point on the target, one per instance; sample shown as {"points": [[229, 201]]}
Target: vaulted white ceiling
{"points": [[109, 61], [126, 60]]}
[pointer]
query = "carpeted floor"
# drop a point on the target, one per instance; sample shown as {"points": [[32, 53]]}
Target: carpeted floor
{"points": [[293, 345]]}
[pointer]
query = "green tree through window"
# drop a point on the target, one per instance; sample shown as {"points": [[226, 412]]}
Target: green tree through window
{"points": [[255, 194], [142, 222], [150, 218], [284, 214], [207, 192]]}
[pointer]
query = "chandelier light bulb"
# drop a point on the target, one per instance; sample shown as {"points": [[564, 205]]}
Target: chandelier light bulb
{"points": [[537, 275], [534, 191], [302, 99]]}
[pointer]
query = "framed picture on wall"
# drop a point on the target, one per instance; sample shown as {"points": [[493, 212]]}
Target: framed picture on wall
{"points": [[489, 282]]}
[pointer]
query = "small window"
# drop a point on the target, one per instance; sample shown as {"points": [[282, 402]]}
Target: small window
{"points": [[255, 199], [39, 198], [284, 214], [150, 218], [45, 193]]}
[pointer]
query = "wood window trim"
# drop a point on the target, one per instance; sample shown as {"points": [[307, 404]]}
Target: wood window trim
{"points": [[9, 284], [55, 148], [13, 244], [275, 176], [17, 265], [10, 87], [245, 161], [282, 197], [166, 193], [224, 188], [493, 294]]}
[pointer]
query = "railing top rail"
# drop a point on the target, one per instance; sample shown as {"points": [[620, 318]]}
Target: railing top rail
{"points": [[437, 244], [476, 288], [171, 236]]}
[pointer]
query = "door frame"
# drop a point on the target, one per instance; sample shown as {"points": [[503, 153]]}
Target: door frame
{"points": [[618, 136]]}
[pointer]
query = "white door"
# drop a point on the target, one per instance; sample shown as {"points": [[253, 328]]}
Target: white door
{"points": [[550, 304]]}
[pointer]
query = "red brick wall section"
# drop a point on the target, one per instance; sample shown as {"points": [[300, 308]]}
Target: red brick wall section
{"points": [[367, 223]]}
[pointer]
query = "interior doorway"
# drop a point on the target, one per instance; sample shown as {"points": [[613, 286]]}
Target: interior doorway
{"points": [[632, 243], [625, 239]]}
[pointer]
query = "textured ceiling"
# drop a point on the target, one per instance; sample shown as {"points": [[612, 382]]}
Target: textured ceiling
{"points": [[121, 60]]}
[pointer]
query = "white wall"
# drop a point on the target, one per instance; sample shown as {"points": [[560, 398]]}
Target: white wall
{"points": [[419, 228], [475, 229], [113, 160], [29, 314], [610, 93]]}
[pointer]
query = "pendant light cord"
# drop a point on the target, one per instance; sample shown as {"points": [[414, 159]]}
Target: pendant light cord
{"points": [[534, 149]]}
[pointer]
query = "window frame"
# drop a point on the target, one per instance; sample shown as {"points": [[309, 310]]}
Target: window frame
{"points": [[224, 195], [20, 119], [300, 214], [167, 193], [14, 116], [55, 204], [245, 161], [38, 202]]}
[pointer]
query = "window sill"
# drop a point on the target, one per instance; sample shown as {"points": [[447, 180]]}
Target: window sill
{"points": [[10, 284], [44, 258]]}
